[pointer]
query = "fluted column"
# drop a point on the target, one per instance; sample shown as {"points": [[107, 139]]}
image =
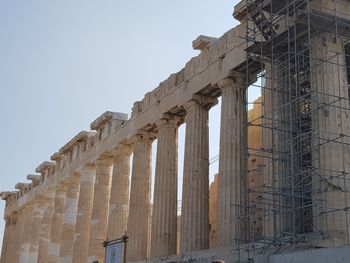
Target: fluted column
{"points": [[233, 162], [331, 123], [38, 213], [82, 230], [69, 220], [270, 100], [140, 194], [6, 241], [45, 227], [57, 225], [195, 192], [99, 217], [164, 214], [119, 202], [20, 223], [14, 235], [26, 234]]}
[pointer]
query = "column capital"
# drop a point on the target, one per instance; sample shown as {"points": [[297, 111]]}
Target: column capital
{"points": [[202, 101], [237, 80], [89, 166], [122, 150], [104, 160], [143, 136], [87, 174], [169, 120]]}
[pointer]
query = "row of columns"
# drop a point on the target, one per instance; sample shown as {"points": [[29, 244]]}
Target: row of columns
{"points": [[71, 224], [58, 226], [194, 231]]}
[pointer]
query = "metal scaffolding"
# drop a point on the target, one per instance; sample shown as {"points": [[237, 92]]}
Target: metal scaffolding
{"points": [[300, 50]]}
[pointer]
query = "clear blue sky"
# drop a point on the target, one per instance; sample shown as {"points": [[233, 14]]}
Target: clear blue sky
{"points": [[63, 63]]}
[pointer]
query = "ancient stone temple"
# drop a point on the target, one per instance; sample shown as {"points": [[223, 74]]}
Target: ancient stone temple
{"points": [[282, 189]]}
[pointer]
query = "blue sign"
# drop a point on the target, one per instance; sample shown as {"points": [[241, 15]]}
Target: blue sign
{"points": [[114, 253]]}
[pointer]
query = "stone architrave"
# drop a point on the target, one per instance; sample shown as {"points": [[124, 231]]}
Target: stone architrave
{"points": [[45, 227], [99, 216], [69, 219], [86, 195], [140, 199], [233, 161], [194, 233], [119, 202], [164, 214], [57, 225]]}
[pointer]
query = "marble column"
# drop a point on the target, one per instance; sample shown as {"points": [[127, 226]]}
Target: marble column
{"points": [[12, 244], [57, 225], [164, 214], [45, 227], [194, 234], [267, 142], [82, 230], [140, 203], [20, 223], [233, 162], [38, 214], [6, 241], [331, 123], [99, 216], [69, 220], [271, 99], [119, 202], [26, 234]]}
